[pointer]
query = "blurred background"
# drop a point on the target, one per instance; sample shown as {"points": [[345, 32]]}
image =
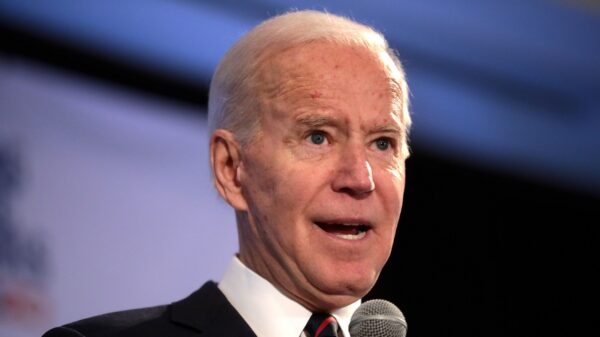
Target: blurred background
{"points": [[105, 194]]}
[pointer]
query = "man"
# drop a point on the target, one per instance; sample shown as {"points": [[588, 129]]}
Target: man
{"points": [[309, 121]]}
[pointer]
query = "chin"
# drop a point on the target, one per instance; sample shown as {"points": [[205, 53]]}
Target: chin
{"points": [[351, 285], [334, 301], [337, 290]]}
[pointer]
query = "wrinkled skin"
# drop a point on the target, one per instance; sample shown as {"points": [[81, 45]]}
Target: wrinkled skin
{"points": [[328, 152]]}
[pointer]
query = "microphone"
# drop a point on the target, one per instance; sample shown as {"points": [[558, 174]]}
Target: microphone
{"points": [[378, 318]]}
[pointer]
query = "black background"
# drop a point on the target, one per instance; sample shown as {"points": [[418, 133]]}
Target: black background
{"points": [[479, 253]]}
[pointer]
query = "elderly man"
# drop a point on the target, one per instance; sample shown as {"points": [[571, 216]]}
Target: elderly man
{"points": [[309, 122]]}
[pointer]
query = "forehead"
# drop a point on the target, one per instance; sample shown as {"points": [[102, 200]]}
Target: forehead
{"points": [[329, 77], [324, 60]]}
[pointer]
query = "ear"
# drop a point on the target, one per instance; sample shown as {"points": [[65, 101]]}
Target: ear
{"points": [[225, 159]]}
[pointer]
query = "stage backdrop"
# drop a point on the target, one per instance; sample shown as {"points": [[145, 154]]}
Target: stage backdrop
{"points": [[106, 201]]}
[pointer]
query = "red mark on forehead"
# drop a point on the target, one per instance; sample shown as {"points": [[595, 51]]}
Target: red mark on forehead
{"points": [[315, 94]]}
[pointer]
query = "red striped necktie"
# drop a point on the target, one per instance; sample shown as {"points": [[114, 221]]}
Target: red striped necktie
{"points": [[321, 325]]}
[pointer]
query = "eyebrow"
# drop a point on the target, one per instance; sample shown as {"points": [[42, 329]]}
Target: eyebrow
{"points": [[317, 121], [388, 128]]}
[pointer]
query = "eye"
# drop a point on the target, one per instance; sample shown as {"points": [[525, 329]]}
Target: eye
{"points": [[317, 137], [383, 144]]}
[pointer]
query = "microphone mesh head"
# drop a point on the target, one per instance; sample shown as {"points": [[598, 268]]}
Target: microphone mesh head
{"points": [[378, 318]]}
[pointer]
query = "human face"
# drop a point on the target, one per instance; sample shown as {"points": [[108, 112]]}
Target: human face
{"points": [[323, 181]]}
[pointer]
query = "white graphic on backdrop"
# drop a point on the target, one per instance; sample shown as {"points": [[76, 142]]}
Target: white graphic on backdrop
{"points": [[117, 189]]}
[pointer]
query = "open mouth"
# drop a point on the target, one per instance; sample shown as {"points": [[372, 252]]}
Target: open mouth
{"points": [[347, 231]]}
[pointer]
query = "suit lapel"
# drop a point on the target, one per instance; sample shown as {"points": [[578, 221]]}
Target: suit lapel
{"points": [[209, 313]]}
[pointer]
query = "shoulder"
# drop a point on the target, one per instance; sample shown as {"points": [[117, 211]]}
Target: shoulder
{"points": [[178, 318], [111, 324]]}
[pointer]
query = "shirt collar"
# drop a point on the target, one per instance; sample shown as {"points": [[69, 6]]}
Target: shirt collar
{"points": [[267, 310]]}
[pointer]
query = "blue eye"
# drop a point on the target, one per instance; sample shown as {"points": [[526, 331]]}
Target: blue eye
{"points": [[382, 144], [317, 138]]}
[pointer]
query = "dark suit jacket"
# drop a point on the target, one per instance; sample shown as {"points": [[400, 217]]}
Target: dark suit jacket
{"points": [[205, 313]]}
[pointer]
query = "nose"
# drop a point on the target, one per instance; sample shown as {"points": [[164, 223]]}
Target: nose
{"points": [[354, 174]]}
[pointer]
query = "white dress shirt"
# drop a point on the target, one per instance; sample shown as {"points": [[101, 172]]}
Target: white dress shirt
{"points": [[267, 310]]}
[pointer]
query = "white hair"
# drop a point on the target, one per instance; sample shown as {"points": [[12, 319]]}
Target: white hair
{"points": [[232, 102]]}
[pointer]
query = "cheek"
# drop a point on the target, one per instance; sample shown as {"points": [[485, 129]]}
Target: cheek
{"points": [[270, 188], [397, 168], [391, 185]]}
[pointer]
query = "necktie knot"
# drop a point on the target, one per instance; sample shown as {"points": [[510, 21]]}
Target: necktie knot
{"points": [[321, 325]]}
